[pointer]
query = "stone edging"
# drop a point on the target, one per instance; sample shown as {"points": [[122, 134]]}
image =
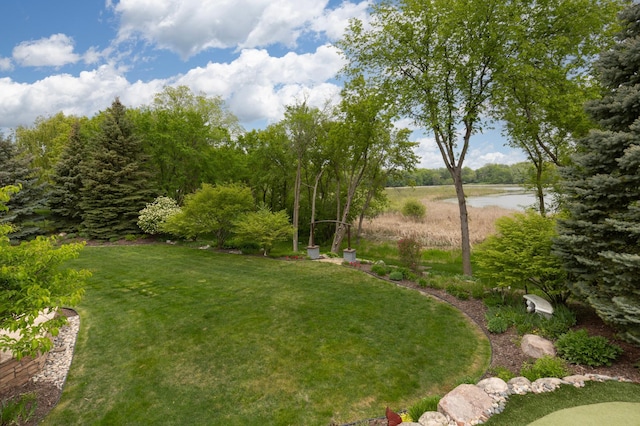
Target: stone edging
{"points": [[474, 404]]}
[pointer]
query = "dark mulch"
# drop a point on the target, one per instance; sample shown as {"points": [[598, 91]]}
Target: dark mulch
{"points": [[506, 352]]}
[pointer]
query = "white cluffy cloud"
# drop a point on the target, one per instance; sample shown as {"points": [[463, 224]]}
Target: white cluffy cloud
{"points": [[55, 51], [256, 86], [188, 27], [6, 64]]}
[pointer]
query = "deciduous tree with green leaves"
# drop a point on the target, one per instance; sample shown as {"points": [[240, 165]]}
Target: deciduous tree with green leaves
{"points": [[302, 124], [211, 210], [45, 141], [263, 227], [547, 80], [33, 281], [436, 60], [600, 240], [365, 146], [190, 139], [519, 255]]}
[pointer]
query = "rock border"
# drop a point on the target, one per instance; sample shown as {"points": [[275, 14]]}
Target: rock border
{"points": [[463, 406]]}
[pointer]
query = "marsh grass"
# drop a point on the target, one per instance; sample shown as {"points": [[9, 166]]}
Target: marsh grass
{"points": [[439, 229], [175, 335]]}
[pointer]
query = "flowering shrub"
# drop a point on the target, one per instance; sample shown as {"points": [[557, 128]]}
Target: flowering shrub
{"points": [[410, 252], [153, 216]]}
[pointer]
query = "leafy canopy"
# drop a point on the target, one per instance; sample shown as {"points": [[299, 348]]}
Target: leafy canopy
{"points": [[520, 254], [33, 282]]}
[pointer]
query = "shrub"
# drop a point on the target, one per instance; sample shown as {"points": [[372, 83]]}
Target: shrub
{"points": [[521, 253], [211, 210], [154, 215], [429, 403], [414, 209], [503, 373], [19, 410], [33, 280], [396, 276], [544, 367], [423, 283], [380, 270], [497, 324], [562, 320], [263, 227], [577, 347], [458, 291], [410, 252]]}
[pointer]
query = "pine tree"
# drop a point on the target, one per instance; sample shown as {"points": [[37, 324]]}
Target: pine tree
{"points": [[600, 241], [25, 209], [116, 183], [65, 195]]}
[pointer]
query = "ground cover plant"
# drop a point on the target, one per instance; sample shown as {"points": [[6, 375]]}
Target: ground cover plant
{"points": [[173, 334]]}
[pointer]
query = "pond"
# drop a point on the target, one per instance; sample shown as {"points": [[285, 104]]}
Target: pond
{"points": [[515, 199]]}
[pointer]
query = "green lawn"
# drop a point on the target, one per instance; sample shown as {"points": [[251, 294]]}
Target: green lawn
{"points": [[175, 335]]}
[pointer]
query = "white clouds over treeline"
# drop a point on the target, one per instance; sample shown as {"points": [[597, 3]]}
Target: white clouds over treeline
{"points": [[255, 83]]}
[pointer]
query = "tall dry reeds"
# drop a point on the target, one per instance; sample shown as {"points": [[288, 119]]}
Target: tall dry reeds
{"points": [[440, 227]]}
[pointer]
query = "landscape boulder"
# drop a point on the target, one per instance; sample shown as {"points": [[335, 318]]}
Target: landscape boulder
{"points": [[494, 386], [433, 418], [536, 346], [466, 404]]}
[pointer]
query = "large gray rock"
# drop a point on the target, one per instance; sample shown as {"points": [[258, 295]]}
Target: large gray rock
{"points": [[433, 418], [519, 385], [536, 346], [494, 385], [546, 384], [466, 404]]}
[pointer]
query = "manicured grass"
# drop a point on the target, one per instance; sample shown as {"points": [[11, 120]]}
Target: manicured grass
{"points": [[524, 409], [175, 335]]}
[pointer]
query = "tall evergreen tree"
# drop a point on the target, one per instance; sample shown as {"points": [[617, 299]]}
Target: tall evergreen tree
{"points": [[116, 183], [25, 209], [600, 241], [65, 195]]}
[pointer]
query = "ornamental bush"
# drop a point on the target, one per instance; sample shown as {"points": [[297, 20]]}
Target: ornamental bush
{"points": [[33, 280], [520, 254], [154, 215], [577, 347], [379, 269], [263, 227], [410, 252], [544, 367]]}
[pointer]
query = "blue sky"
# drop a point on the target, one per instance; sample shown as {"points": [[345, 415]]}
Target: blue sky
{"points": [[76, 56]]}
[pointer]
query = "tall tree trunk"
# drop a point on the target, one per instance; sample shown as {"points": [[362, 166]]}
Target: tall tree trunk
{"points": [[342, 225], [365, 207], [464, 221], [540, 189], [296, 205], [313, 207]]}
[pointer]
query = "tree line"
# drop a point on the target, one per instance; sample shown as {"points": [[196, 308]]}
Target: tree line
{"points": [[489, 174], [92, 176]]}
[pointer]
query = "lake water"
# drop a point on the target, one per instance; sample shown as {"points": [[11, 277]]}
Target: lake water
{"points": [[516, 200]]}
